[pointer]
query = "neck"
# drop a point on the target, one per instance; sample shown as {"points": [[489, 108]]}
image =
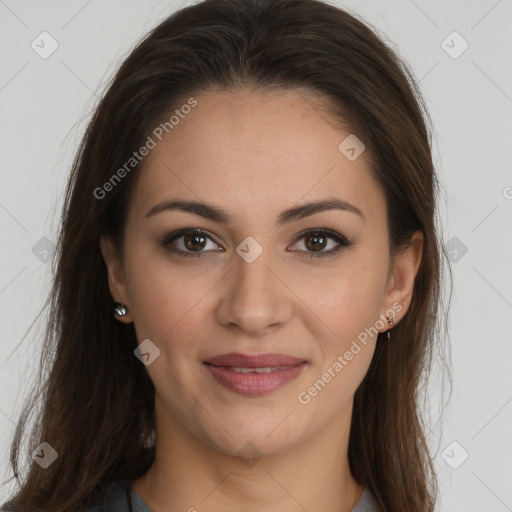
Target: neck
{"points": [[188, 474]]}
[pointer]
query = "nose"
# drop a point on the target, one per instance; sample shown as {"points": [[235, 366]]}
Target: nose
{"points": [[255, 297]]}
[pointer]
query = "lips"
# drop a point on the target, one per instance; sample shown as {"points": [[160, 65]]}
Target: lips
{"points": [[254, 374], [254, 361]]}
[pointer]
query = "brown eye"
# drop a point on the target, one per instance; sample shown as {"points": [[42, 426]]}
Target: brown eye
{"points": [[189, 242], [194, 242], [317, 240]]}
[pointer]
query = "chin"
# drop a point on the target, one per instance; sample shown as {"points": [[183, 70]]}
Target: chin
{"points": [[251, 448], [251, 440]]}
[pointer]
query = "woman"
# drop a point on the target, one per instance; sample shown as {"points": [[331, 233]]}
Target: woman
{"points": [[248, 280]]}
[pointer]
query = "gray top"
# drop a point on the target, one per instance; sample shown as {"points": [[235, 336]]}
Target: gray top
{"points": [[116, 500]]}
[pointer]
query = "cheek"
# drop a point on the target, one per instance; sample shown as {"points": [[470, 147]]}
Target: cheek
{"points": [[167, 300], [153, 296], [350, 306], [170, 301], [347, 301]]}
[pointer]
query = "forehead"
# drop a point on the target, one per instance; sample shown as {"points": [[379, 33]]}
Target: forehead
{"points": [[255, 151]]}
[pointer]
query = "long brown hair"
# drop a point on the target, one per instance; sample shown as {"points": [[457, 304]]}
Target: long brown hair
{"points": [[97, 399]]}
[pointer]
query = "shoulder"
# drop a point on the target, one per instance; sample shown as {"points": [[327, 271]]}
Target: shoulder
{"points": [[113, 498], [366, 502]]}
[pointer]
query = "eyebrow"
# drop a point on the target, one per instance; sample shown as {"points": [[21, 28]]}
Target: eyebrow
{"points": [[216, 214]]}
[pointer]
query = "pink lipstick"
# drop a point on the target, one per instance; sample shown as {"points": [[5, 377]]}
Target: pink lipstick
{"points": [[254, 374]]}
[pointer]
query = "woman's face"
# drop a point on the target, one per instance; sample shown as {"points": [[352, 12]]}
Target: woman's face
{"points": [[254, 283]]}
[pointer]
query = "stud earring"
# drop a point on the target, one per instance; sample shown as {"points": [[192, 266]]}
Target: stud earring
{"points": [[120, 309], [390, 323]]}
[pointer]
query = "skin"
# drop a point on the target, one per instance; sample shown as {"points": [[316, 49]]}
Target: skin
{"points": [[254, 155]]}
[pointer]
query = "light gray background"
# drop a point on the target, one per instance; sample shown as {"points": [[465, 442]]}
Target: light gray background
{"points": [[45, 104]]}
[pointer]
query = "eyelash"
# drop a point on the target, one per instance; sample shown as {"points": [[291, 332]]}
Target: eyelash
{"points": [[340, 239]]}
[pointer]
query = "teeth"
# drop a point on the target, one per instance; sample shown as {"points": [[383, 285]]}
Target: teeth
{"points": [[268, 369]]}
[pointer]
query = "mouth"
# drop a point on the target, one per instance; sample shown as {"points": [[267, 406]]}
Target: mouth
{"points": [[254, 374], [266, 369]]}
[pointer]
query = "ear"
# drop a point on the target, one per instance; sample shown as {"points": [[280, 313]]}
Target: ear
{"points": [[401, 280], [116, 277]]}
